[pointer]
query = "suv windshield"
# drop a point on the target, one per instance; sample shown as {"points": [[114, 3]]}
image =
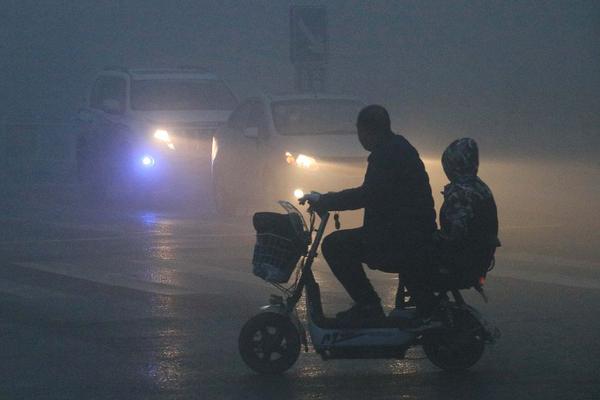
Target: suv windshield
{"points": [[315, 116], [154, 95]]}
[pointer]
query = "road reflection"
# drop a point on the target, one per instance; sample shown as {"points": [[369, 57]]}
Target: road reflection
{"points": [[403, 379], [170, 341]]}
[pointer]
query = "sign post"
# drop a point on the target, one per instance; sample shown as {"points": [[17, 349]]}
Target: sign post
{"points": [[309, 47]]}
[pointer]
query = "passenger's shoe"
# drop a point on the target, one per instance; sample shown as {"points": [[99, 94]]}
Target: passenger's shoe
{"points": [[423, 324], [440, 317], [402, 313], [361, 312]]}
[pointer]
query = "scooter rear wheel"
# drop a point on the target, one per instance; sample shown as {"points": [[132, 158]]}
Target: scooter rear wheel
{"points": [[269, 343], [457, 348]]}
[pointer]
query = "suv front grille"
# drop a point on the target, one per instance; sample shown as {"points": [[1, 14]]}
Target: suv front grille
{"points": [[193, 133], [194, 141]]}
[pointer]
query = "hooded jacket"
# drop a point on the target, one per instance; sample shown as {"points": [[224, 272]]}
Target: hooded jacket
{"points": [[468, 232], [396, 195]]}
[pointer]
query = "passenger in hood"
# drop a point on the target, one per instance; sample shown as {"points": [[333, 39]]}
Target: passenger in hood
{"points": [[468, 234]]}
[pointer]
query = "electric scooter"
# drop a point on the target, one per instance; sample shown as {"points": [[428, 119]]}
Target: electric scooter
{"points": [[271, 341]]}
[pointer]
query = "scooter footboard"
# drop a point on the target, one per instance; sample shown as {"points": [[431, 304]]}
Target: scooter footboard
{"points": [[360, 343]]}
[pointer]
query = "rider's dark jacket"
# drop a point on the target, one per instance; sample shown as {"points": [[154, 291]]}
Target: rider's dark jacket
{"points": [[399, 214], [468, 233]]}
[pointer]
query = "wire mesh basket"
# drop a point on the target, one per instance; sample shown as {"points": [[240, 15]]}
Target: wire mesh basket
{"points": [[275, 257]]}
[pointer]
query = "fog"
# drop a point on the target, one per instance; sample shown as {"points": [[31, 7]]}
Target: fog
{"points": [[519, 77], [129, 259], [548, 210]]}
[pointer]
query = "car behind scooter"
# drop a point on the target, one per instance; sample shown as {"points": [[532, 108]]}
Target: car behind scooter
{"points": [[270, 342]]}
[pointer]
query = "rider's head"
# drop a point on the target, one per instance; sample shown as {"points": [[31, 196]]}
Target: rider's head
{"points": [[373, 126]]}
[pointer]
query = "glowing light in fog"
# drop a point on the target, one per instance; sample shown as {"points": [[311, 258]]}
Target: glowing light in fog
{"points": [[289, 158], [148, 161], [162, 135], [298, 193], [306, 162], [214, 150], [302, 161]]}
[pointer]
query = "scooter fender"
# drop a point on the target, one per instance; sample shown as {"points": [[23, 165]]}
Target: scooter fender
{"points": [[281, 309], [492, 333]]}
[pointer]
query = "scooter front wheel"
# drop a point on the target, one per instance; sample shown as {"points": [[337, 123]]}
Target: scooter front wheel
{"points": [[269, 343], [457, 348]]}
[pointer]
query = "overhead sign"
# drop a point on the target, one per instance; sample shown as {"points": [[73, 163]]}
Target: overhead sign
{"points": [[308, 34]]}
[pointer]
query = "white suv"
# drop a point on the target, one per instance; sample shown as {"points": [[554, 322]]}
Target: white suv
{"points": [[275, 147], [150, 127]]}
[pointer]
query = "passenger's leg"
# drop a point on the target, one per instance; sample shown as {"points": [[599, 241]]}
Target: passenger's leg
{"points": [[423, 297], [425, 300], [402, 294], [415, 275], [344, 252]]}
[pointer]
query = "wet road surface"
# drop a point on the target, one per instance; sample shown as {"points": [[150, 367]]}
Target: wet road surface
{"points": [[102, 303]]}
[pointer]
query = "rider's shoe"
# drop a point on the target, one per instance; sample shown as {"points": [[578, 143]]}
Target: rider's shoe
{"points": [[361, 312]]}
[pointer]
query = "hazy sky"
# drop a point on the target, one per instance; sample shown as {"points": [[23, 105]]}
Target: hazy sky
{"points": [[520, 76]]}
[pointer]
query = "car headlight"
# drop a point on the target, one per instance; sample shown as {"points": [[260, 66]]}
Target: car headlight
{"points": [[163, 136], [301, 161], [306, 162], [289, 158], [148, 161]]}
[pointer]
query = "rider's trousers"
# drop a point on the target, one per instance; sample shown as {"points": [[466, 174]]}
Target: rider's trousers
{"points": [[345, 253]]}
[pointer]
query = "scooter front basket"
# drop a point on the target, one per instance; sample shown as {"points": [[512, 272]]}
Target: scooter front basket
{"points": [[275, 257]]}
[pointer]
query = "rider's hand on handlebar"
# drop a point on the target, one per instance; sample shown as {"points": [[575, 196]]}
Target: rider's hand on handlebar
{"points": [[312, 198]]}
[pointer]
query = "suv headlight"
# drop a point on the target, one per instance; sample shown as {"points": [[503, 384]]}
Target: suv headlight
{"points": [[163, 136], [302, 161]]}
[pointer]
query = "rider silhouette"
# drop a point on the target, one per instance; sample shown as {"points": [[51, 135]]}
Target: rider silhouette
{"points": [[399, 217]]}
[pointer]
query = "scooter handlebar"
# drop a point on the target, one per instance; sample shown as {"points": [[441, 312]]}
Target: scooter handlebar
{"points": [[312, 210], [311, 198]]}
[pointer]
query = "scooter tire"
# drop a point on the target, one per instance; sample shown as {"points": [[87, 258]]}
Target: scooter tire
{"points": [[269, 343], [456, 348]]}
